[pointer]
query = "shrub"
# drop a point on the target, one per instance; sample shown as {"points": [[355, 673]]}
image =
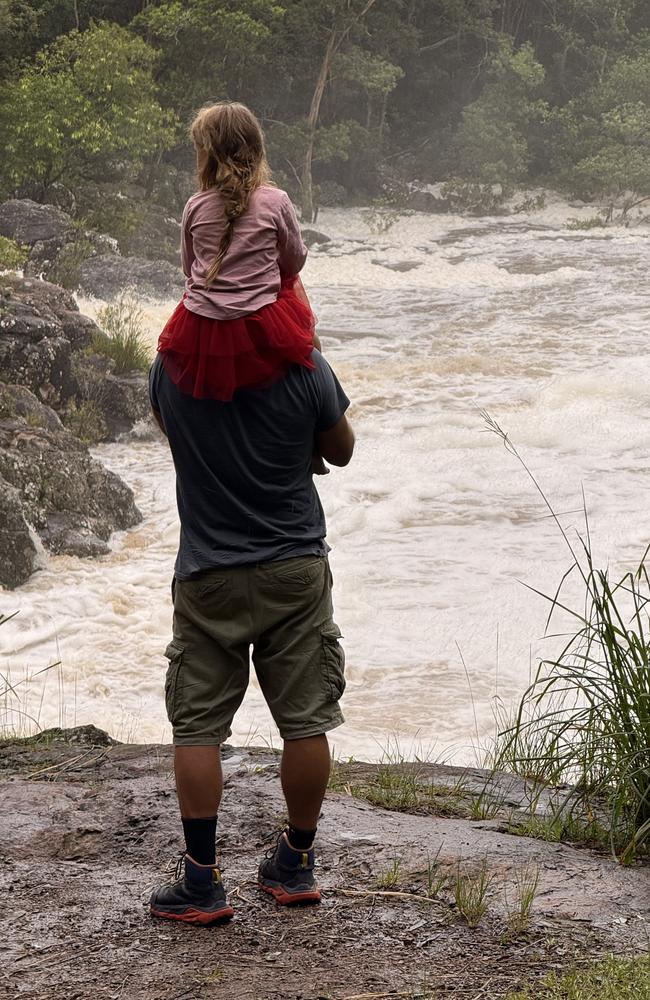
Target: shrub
{"points": [[12, 255], [86, 421], [66, 269], [593, 222]]}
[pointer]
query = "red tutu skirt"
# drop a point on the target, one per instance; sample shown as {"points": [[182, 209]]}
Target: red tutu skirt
{"points": [[211, 358]]}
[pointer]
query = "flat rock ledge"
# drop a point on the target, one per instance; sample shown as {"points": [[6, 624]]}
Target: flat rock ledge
{"points": [[88, 827]]}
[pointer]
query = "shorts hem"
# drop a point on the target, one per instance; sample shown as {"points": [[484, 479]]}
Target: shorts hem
{"points": [[201, 741], [304, 732]]}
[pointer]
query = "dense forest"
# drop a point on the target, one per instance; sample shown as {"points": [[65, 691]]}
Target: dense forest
{"points": [[357, 97]]}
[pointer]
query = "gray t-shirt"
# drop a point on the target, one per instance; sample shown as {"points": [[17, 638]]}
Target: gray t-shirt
{"points": [[244, 485]]}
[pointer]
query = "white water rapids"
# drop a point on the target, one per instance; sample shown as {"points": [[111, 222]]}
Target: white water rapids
{"points": [[435, 528]]}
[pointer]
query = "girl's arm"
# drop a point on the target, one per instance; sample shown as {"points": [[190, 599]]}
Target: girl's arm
{"points": [[187, 250], [292, 252]]}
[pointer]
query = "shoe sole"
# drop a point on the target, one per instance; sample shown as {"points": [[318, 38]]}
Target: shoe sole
{"points": [[194, 916], [289, 898]]}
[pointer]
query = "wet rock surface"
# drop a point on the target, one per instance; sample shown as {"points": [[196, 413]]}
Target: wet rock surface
{"points": [[88, 829]]}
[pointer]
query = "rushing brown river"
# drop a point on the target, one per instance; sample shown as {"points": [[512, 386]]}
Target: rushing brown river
{"points": [[435, 528]]}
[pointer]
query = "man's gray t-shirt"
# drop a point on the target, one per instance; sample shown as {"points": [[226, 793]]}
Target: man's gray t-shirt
{"points": [[244, 484]]}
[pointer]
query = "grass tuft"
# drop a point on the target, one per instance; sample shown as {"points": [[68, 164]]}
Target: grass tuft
{"points": [[471, 892], [585, 718], [123, 338], [520, 906], [612, 979], [390, 877]]}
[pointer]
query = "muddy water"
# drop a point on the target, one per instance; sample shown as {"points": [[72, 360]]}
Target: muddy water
{"points": [[435, 528]]}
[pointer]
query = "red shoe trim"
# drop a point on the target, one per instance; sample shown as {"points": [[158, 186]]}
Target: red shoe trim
{"points": [[287, 898], [192, 916]]}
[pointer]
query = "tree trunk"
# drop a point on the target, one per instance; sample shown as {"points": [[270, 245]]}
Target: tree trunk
{"points": [[307, 199], [336, 37], [382, 120]]}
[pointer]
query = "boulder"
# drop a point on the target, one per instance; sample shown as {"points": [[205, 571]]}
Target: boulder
{"points": [[425, 201], [312, 237], [34, 349], [107, 276], [59, 259], [122, 400], [26, 221], [55, 486]]}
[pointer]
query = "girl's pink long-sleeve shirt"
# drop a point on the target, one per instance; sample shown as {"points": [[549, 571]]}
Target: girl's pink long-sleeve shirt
{"points": [[266, 244]]}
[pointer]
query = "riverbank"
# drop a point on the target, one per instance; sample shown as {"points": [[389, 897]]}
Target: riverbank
{"points": [[89, 827]]}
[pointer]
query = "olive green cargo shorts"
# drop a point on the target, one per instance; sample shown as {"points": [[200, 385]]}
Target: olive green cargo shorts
{"points": [[284, 610]]}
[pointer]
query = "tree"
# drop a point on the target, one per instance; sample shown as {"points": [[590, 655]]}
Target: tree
{"points": [[602, 140], [210, 50], [345, 15], [85, 107], [491, 145]]}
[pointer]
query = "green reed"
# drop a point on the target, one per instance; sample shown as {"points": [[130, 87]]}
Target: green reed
{"points": [[585, 718]]}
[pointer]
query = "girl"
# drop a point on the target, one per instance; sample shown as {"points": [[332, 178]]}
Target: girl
{"points": [[244, 317]]}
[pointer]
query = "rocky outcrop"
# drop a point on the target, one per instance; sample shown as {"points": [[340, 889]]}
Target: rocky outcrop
{"points": [[56, 394], [107, 275], [65, 254], [51, 484], [46, 345]]}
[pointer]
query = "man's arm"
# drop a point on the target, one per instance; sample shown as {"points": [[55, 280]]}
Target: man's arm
{"points": [[337, 444]]}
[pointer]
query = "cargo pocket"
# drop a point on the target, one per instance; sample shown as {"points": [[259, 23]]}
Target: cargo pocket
{"points": [[333, 661], [174, 681]]}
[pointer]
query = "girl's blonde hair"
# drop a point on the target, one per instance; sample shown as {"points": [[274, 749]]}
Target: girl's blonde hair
{"points": [[230, 139]]}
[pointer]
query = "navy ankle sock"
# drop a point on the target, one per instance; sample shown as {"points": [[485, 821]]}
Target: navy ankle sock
{"points": [[200, 835], [300, 839]]}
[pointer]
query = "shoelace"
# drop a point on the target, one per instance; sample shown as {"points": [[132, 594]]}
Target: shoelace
{"points": [[271, 851]]}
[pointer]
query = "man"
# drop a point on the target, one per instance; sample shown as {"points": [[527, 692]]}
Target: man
{"points": [[251, 570]]}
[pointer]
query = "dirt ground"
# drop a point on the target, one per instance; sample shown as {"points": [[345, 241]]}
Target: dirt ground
{"points": [[87, 830]]}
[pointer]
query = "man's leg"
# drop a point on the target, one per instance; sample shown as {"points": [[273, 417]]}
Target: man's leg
{"points": [[304, 774], [205, 684], [199, 784], [300, 666]]}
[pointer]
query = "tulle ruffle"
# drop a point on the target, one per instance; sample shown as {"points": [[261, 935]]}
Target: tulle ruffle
{"points": [[212, 358]]}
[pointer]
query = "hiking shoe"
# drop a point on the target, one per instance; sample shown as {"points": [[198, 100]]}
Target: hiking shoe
{"points": [[288, 874], [197, 898]]}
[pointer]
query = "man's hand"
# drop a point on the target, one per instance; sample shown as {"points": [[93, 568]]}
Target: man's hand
{"points": [[318, 467]]}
